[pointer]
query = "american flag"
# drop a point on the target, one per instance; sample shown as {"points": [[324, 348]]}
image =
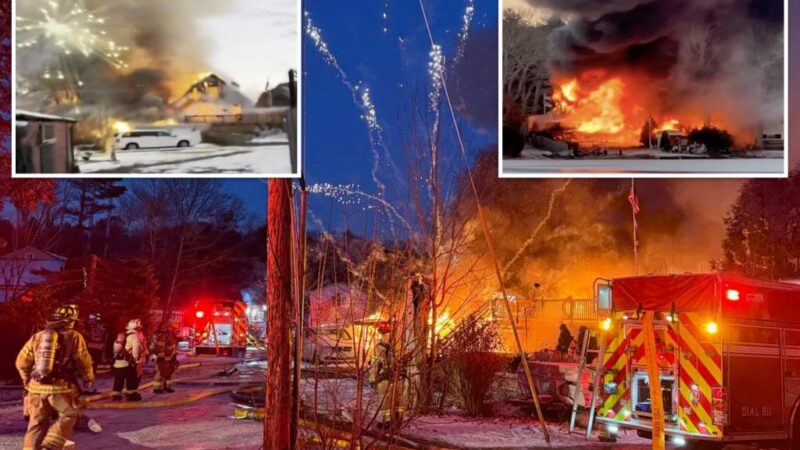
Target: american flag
{"points": [[633, 199]]}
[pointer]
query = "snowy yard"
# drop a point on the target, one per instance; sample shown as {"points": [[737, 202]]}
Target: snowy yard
{"points": [[268, 157], [534, 162]]}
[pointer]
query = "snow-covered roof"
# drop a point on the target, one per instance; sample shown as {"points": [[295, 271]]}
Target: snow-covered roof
{"points": [[30, 115], [230, 94], [33, 253]]}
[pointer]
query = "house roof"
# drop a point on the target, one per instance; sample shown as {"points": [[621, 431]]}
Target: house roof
{"points": [[39, 117], [36, 254], [230, 90]]}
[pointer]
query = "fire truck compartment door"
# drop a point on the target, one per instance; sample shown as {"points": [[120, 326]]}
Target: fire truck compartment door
{"points": [[755, 392], [223, 335]]}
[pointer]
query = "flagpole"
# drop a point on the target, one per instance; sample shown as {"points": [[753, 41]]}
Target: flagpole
{"points": [[634, 204]]}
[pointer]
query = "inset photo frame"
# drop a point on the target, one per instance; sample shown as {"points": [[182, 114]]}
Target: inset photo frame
{"points": [[152, 88], [643, 88]]}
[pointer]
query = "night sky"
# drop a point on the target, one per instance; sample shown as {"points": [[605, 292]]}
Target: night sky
{"points": [[337, 146], [390, 56]]}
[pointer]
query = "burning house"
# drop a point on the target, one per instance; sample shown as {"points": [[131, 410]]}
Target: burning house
{"points": [[129, 64], [212, 99], [712, 63]]}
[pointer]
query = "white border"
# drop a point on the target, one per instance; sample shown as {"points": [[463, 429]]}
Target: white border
{"points": [[298, 80], [787, 141]]}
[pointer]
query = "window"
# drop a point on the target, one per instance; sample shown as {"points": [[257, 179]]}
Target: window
{"points": [[48, 132]]}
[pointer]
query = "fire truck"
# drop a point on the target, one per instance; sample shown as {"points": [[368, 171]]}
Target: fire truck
{"points": [[728, 354], [221, 328]]}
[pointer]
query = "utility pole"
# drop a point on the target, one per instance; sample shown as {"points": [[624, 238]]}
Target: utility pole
{"points": [[300, 290], [279, 316]]}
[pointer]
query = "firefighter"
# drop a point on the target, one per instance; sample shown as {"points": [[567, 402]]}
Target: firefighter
{"points": [[386, 381], [564, 339], [166, 351], [130, 354], [53, 364]]}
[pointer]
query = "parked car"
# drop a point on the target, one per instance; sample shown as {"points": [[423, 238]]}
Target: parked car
{"points": [[161, 138], [328, 344]]}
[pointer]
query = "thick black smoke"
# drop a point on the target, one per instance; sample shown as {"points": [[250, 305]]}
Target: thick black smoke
{"points": [[165, 41], [723, 52]]}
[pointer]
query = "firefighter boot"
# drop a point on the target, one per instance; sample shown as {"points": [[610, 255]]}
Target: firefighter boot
{"points": [[158, 390], [133, 397], [116, 397]]}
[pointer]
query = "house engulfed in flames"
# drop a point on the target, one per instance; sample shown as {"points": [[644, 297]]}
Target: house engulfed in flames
{"points": [[597, 110], [214, 99]]}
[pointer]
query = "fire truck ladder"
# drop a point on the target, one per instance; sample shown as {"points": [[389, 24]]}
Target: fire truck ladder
{"points": [[597, 369]]}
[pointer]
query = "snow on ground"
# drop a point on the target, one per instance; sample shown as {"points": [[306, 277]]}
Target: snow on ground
{"points": [[267, 158], [487, 433], [273, 136], [739, 166], [537, 161]]}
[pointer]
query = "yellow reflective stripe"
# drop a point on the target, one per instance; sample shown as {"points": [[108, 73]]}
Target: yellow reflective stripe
{"points": [[47, 389], [699, 352]]}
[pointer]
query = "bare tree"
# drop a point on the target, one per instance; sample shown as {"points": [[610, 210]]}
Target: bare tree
{"points": [[185, 223], [525, 72]]}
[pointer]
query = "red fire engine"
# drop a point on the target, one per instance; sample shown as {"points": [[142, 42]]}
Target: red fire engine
{"points": [[221, 328], [728, 354]]}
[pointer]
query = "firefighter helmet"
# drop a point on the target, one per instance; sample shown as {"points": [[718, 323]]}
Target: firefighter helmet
{"points": [[134, 324], [384, 327], [65, 313]]}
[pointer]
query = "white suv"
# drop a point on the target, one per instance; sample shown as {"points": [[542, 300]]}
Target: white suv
{"points": [[132, 140]]}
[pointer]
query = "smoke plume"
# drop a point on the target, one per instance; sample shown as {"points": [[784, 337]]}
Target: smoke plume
{"points": [[166, 48], [727, 53]]}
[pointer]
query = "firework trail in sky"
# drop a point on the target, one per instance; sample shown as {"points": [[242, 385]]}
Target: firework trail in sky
{"points": [[463, 35], [63, 30], [349, 194], [362, 98]]}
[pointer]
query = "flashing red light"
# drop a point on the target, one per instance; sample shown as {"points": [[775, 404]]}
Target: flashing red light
{"points": [[199, 314], [732, 295]]}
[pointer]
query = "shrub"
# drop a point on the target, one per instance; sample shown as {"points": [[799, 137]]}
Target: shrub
{"points": [[470, 361], [714, 139]]}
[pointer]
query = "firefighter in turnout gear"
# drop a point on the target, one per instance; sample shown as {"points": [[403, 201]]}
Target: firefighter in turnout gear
{"points": [[385, 378], [166, 351], [130, 354], [53, 364]]}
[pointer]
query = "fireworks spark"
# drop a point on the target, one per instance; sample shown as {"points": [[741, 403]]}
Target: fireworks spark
{"points": [[351, 195], [361, 97], [63, 30], [466, 25], [436, 71], [385, 16]]}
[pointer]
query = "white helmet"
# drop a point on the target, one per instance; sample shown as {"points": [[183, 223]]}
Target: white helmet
{"points": [[134, 324]]}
